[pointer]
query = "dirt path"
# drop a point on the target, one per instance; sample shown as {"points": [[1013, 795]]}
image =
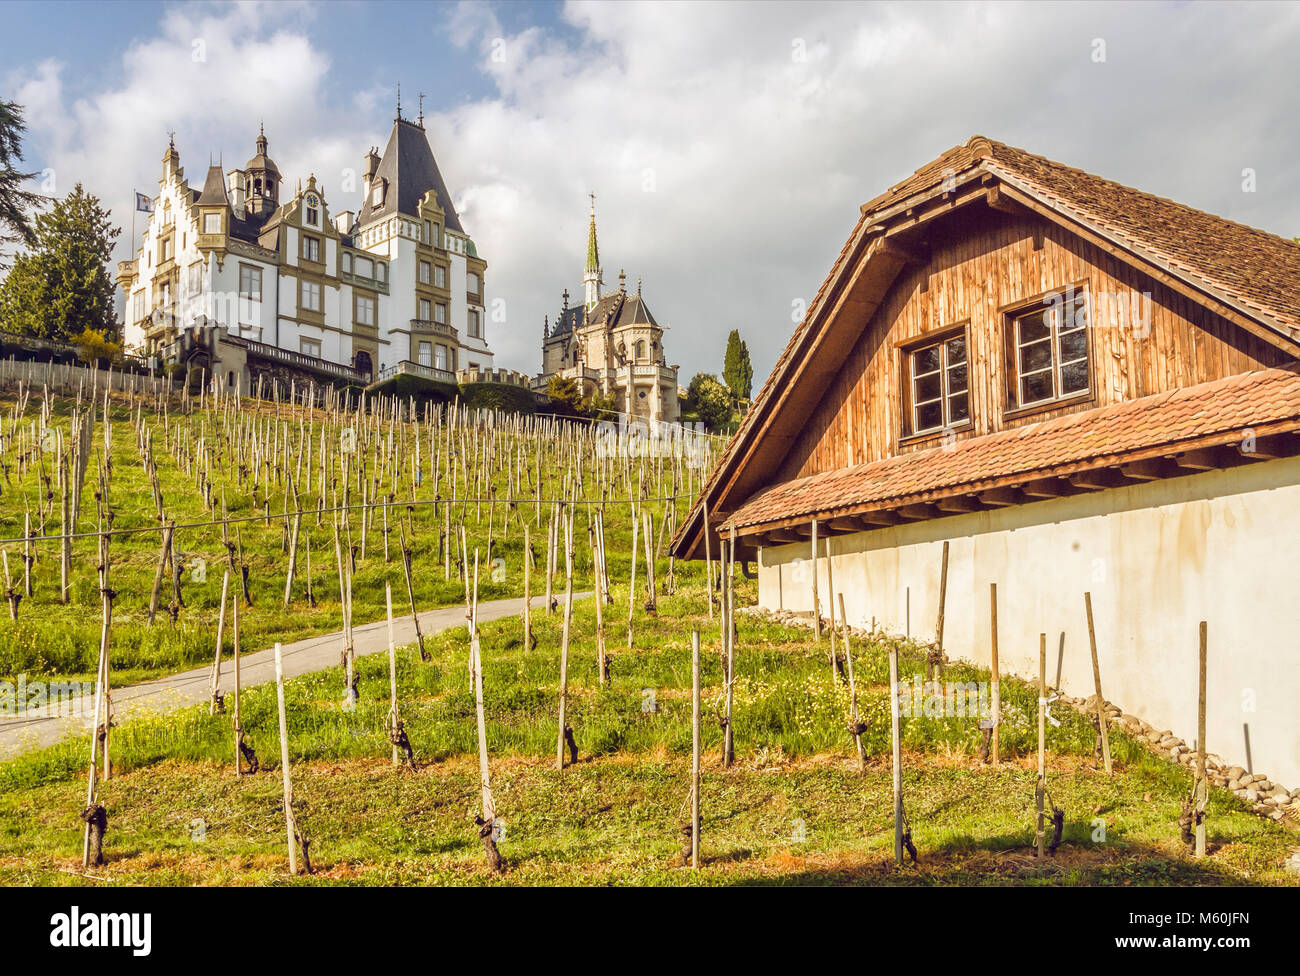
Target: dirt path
{"points": [[45, 726]]}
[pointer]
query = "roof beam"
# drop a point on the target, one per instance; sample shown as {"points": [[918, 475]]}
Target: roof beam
{"points": [[1000, 497], [957, 504]]}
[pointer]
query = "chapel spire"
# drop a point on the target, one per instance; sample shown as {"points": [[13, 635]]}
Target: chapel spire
{"points": [[592, 278]]}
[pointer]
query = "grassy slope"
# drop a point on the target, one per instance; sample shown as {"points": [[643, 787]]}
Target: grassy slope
{"points": [[53, 639], [178, 815]]}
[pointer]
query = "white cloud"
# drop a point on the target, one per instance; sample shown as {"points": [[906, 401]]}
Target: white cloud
{"points": [[729, 144]]}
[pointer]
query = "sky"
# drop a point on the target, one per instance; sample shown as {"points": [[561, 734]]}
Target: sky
{"points": [[729, 145]]}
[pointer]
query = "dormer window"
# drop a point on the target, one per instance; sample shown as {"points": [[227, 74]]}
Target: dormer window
{"points": [[377, 193]]}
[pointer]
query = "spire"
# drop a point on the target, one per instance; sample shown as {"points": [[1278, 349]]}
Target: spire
{"points": [[593, 252], [399, 101], [592, 278]]}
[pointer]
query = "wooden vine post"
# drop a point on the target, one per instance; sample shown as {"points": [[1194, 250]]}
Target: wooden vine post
{"points": [[1102, 731], [214, 682], [729, 643], [854, 725], [695, 750], [996, 691], [236, 723], [1202, 789], [394, 717], [935, 668], [1040, 838], [895, 739], [289, 826], [816, 604], [565, 734], [529, 642], [487, 820]]}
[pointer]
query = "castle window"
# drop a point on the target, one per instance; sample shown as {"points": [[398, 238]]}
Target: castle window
{"points": [[137, 303], [428, 231], [365, 310], [313, 211], [381, 271], [640, 349], [309, 347], [426, 354], [425, 309], [311, 296], [439, 276], [311, 248], [426, 272], [212, 223], [365, 267], [347, 263], [440, 357], [440, 313], [472, 283], [475, 326], [250, 283]]}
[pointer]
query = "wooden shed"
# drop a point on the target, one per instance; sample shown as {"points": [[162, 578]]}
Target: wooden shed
{"points": [[1080, 387]]}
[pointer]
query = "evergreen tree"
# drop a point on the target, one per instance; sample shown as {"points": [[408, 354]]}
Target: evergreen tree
{"points": [[61, 287], [737, 371], [15, 202]]}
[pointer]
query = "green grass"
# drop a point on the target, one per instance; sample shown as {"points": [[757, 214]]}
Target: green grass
{"points": [[50, 638], [794, 810]]}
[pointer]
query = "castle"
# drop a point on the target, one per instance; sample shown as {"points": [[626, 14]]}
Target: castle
{"points": [[236, 280], [611, 345]]}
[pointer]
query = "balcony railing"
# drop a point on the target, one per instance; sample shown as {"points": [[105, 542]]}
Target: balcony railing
{"points": [[649, 371], [303, 361], [437, 328], [408, 368]]}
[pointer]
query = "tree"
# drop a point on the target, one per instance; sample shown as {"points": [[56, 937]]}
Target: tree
{"points": [[62, 286], [597, 406], [737, 371], [15, 202], [95, 348], [565, 395], [711, 401]]}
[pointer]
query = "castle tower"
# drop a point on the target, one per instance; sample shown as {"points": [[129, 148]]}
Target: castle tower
{"points": [[592, 278], [262, 182]]}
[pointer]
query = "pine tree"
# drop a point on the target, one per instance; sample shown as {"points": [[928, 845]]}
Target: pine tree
{"points": [[15, 202], [62, 287], [737, 371]]}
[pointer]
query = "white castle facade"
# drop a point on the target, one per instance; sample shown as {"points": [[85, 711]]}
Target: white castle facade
{"points": [[238, 281]]}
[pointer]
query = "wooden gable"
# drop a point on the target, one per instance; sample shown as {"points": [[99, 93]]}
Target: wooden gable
{"points": [[1144, 338]]}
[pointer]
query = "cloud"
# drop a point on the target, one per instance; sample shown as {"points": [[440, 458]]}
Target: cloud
{"points": [[729, 144]]}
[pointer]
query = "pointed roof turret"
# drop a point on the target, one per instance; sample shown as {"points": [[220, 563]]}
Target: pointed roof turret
{"points": [[214, 189], [408, 171]]}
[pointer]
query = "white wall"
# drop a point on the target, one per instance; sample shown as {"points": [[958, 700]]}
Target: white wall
{"points": [[1158, 558]]}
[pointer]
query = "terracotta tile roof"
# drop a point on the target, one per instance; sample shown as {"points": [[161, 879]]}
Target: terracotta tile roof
{"points": [[1254, 268], [1203, 415]]}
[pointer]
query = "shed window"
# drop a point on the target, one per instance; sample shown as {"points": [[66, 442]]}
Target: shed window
{"points": [[939, 385], [1048, 352]]}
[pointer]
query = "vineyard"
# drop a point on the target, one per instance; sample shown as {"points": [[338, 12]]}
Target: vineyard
{"points": [[631, 722]]}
